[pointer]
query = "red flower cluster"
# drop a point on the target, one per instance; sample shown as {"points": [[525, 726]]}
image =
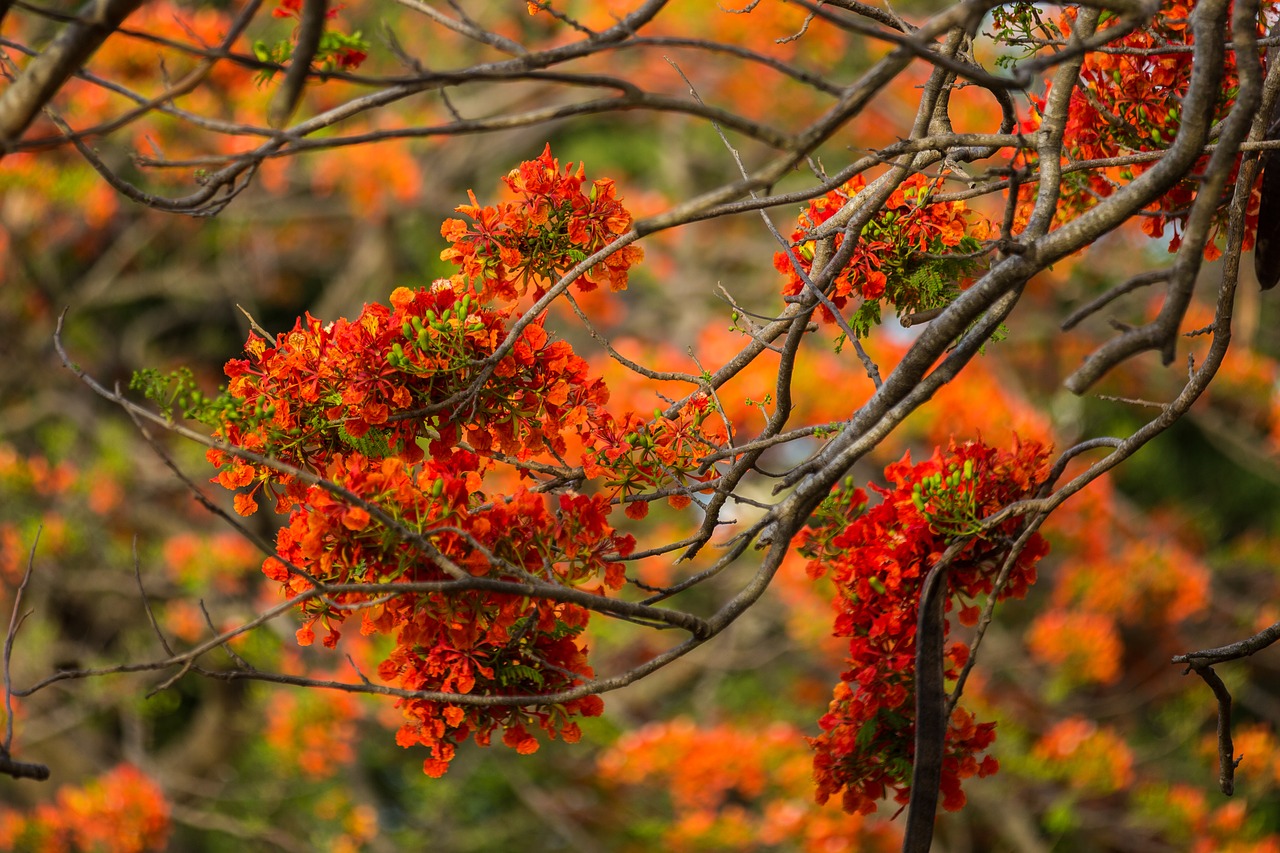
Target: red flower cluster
{"points": [[349, 58], [1130, 100], [349, 385], [878, 559], [888, 264], [529, 243], [632, 456], [492, 644], [381, 407], [335, 399]]}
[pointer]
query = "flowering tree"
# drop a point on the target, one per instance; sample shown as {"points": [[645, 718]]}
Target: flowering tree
{"points": [[470, 477]]}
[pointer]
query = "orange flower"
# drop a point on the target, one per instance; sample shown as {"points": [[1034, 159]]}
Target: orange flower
{"points": [[1087, 755], [1084, 646]]}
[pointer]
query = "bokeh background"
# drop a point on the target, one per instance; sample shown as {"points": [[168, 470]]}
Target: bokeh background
{"points": [[1103, 744]]}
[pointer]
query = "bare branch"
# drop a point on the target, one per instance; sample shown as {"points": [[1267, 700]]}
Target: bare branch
{"points": [[22, 100], [9, 767]]}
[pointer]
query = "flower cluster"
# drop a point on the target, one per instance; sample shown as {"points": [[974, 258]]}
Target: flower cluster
{"points": [[312, 733], [406, 415], [1082, 647], [514, 246], [351, 385], [490, 644], [631, 456], [1155, 580], [337, 400], [1085, 756], [122, 811], [902, 255], [743, 786], [1129, 100], [878, 559]]}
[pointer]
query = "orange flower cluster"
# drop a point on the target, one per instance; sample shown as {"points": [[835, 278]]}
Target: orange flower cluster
{"points": [[1087, 757], [1130, 100], [323, 399], [1203, 825], [313, 732], [406, 408], [739, 787], [878, 559], [493, 644], [1083, 647], [327, 389], [631, 456], [889, 263], [1155, 581], [512, 247], [121, 811]]}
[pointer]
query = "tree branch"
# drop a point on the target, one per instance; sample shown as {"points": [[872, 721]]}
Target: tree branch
{"points": [[35, 87]]}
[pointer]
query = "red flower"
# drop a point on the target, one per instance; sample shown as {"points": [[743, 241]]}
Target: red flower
{"points": [[878, 557]]}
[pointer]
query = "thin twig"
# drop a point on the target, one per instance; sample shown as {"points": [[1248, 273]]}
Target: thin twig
{"points": [[1227, 760], [9, 767], [146, 601]]}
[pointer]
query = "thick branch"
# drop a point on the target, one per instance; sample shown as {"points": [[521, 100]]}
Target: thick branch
{"points": [[46, 74], [286, 98]]}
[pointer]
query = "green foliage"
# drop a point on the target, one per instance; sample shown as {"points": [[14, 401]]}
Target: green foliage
{"points": [[276, 54], [177, 389], [863, 320], [1020, 25], [516, 674], [333, 45], [374, 444]]}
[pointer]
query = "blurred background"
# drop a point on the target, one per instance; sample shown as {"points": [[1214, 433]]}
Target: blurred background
{"points": [[1103, 744]]}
